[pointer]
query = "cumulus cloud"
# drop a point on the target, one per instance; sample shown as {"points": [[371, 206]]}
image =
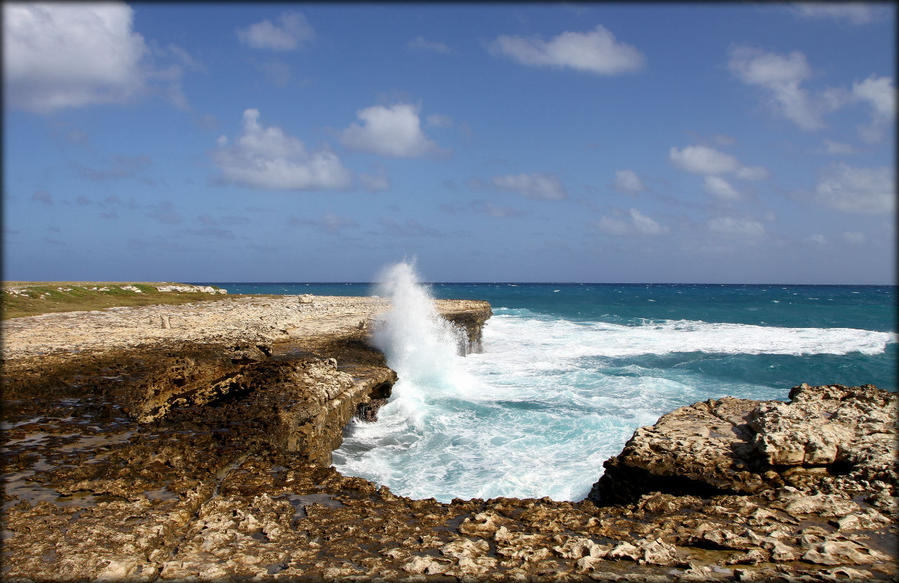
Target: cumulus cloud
{"points": [[858, 190], [421, 44], [628, 181], [752, 172], [703, 160], [393, 131], [291, 32], [880, 94], [70, 55], [780, 77], [596, 51], [712, 164], [266, 157], [853, 13], [737, 227], [535, 185], [67, 55], [645, 225], [635, 223], [721, 188]]}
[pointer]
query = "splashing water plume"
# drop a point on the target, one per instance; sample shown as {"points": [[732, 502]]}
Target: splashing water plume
{"points": [[418, 343]]}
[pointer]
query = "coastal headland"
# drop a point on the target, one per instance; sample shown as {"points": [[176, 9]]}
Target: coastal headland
{"points": [[193, 441]]}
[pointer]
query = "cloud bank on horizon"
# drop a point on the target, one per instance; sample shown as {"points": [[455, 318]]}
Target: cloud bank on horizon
{"points": [[717, 143]]}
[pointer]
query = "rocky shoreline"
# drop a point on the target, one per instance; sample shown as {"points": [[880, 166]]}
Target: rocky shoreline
{"points": [[194, 441]]}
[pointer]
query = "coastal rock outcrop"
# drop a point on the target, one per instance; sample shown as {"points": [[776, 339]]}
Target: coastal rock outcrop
{"points": [[206, 457], [836, 436]]}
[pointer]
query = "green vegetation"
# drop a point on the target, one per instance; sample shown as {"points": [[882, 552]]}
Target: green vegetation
{"points": [[21, 298]]}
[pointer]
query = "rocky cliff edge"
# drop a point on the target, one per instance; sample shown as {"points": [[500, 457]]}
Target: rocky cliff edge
{"points": [[206, 457]]}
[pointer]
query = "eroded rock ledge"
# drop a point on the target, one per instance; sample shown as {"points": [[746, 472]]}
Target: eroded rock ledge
{"points": [[208, 459]]}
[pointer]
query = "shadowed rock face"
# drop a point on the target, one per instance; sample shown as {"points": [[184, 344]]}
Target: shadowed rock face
{"points": [[209, 460]]}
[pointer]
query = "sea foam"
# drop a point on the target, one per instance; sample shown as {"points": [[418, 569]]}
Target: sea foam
{"points": [[550, 398]]}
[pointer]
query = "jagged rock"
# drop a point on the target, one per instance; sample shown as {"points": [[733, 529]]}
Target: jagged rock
{"points": [[835, 552], [742, 446], [426, 566], [852, 426]]}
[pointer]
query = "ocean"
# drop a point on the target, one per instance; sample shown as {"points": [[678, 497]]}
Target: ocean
{"points": [[569, 371]]}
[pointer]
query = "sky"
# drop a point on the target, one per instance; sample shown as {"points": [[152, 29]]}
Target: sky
{"points": [[707, 143]]}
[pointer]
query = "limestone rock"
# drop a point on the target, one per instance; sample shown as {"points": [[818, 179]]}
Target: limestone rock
{"points": [[742, 446]]}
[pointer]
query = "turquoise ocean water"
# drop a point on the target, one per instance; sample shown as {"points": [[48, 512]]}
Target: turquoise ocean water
{"points": [[569, 371]]}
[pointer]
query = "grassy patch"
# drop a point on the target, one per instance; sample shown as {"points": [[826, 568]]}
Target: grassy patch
{"points": [[20, 299]]}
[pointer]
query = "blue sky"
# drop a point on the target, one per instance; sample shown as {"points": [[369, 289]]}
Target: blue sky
{"points": [[536, 142]]}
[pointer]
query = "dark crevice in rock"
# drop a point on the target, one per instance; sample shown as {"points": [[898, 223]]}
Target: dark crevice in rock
{"points": [[625, 485]]}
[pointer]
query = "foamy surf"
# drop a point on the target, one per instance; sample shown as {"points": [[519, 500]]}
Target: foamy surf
{"points": [[551, 398]]}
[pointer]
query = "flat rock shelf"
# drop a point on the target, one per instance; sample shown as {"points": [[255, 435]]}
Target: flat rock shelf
{"points": [[194, 441]]}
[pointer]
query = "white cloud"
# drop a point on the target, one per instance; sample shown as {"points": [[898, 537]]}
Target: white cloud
{"points": [[858, 190], [721, 188], [638, 224], [612, 226], [703, 160], [752, 173], [292, 31], [266, 157], [389, 131], [596, 51], [712, 164], [781, 77], [419, 43], [880, 94], [818, 239], [738, 227], [854, 13], [837, 148], [646, 225], [70, 55], [628, 181], [536, 185], [854, 237]]}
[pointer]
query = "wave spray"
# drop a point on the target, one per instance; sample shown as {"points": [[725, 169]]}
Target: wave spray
{"points": [[418, 343]]}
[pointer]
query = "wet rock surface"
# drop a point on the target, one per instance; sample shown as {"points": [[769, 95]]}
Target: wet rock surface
{"points": [[224, 474]]}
